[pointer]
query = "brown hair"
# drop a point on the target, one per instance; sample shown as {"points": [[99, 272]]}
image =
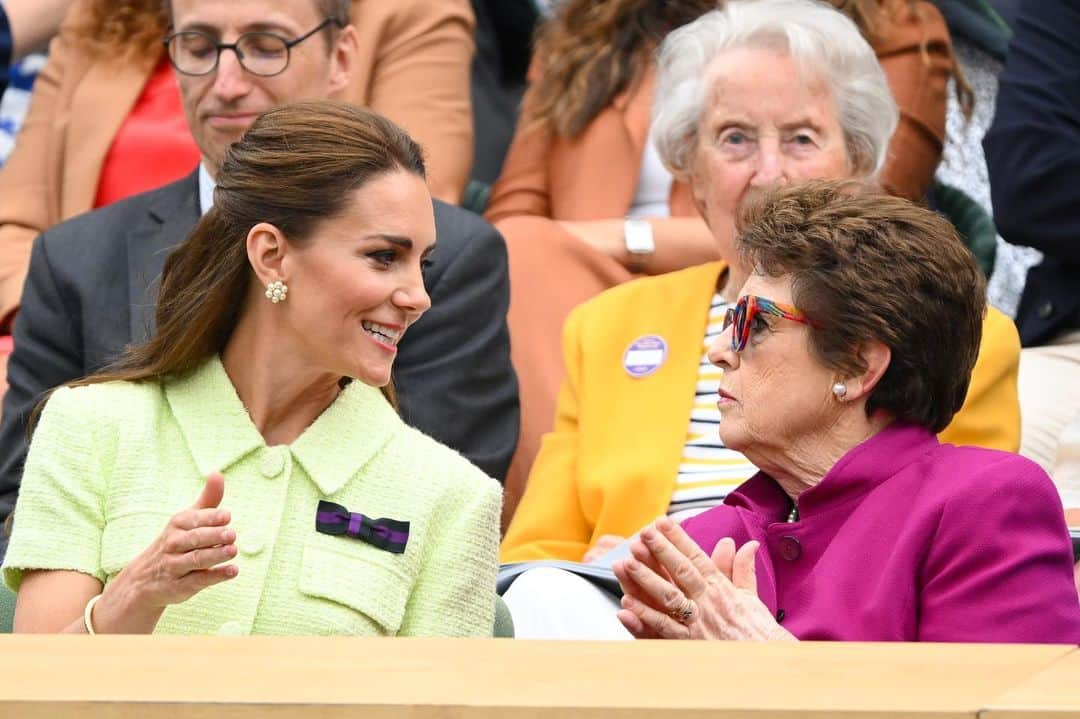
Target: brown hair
{"points": [[870, 267], [137, 25], [596, 49], [296, 167]]}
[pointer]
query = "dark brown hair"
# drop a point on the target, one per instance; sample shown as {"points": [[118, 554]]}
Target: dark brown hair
{"points": [[870, 267], [592, 50], [296, 167]]}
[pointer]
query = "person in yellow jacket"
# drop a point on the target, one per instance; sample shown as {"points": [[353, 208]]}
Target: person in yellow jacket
{"points": [[635, 428]]}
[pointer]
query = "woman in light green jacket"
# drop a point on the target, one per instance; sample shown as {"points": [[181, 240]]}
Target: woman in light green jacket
{"points": [[245, 470]]}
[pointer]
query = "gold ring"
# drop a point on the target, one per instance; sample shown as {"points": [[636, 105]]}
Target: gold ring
{"points": [[685, 612]]}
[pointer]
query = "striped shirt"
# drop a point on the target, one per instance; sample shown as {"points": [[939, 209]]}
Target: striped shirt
{"points": [[708, 470]]}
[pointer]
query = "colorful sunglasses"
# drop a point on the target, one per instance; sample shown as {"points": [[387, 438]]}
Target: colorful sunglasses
{"points": [[742, 316]]}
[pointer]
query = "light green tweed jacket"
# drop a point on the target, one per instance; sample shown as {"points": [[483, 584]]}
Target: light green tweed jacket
{"points": [[111, 463]]}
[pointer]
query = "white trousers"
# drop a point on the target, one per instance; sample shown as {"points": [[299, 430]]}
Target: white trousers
{"points": [[1049, 385], [550, 603]]}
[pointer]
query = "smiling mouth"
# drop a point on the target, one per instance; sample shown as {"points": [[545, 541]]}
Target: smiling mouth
{"points": [[383, 333]]}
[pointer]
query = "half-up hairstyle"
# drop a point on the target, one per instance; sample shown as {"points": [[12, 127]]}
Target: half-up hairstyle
{"points": [[296, 167]]}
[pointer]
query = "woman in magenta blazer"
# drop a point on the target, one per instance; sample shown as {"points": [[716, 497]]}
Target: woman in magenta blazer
{"points": [[850, 347]]}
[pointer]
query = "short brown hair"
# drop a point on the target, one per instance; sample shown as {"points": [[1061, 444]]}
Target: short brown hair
{"points": [[866, 266]]}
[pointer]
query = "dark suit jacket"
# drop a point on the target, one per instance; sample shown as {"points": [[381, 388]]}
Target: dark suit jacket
{"points": [[91, 289], [1033, 154], [5, 50], [504, 30]]}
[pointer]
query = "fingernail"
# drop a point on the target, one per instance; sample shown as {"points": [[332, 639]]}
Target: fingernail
{"points": [[648, 534], [665, 523]]}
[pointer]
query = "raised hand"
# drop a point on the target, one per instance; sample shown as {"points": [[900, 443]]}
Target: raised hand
{"points": [[188, 556]]}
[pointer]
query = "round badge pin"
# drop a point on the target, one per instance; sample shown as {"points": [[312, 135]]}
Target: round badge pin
{"points": [[644, 356]]}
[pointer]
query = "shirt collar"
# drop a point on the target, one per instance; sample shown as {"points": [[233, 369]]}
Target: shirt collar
{"points": [[206, 189], [219, 432], [863, 468]]}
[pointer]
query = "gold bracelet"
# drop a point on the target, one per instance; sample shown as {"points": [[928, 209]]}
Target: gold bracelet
{"points": [[86, 617]]}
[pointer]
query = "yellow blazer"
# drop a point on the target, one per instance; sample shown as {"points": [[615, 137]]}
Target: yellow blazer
{"points": [[413, 66], [609, 467]]}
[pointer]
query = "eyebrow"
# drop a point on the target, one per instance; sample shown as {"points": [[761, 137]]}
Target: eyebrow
{"points": [[801, 122], [253, 27], [398, 240]]}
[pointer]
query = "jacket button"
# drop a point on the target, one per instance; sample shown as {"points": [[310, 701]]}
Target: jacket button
{"points": [[790, 549], [271, 464], [231, 629], [1045, 310]]}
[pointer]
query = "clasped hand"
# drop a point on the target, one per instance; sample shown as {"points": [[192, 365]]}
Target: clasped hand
{"points": [[673, 590]]}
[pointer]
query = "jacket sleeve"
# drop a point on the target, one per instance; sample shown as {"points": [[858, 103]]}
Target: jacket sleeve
{"points": [[549, 522], [454, 373], [999, 567], [454, 594], [421, 81], [60, 516], [990, 416], [44, 357], [29, 191], [919, 83], [1033, 145]]}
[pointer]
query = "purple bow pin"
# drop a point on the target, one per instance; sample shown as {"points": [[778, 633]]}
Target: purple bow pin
{"points": [[389, 534]]}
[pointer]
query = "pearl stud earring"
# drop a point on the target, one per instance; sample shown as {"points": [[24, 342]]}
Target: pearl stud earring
{"points": [[277, 291], [840, 390]]}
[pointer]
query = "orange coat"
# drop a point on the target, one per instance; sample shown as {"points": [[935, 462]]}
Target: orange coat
{"points": [[413, 66], [594, 176]]}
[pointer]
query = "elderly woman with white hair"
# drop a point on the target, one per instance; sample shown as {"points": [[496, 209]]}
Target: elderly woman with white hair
{"points": [[756, 95]]}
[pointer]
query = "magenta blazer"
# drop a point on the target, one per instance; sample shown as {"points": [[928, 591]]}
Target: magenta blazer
{"points": [[907, 539]]}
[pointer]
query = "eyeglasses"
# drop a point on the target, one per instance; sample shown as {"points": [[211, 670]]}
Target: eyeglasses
{"points": [[747, 308], [265, 54]]}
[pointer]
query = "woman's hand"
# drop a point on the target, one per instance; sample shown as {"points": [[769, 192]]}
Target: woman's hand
{"points": [[603, 545], [186, 558], [605, 236], [673, 590]]}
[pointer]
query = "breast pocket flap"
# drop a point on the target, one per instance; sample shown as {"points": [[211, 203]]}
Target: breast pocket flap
{"points": [[358, 577]]}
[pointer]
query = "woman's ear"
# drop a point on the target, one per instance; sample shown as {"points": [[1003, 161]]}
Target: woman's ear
{"points": [[266, 251], [876, 356]]}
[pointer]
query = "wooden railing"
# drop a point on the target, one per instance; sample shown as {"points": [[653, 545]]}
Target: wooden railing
{"points": [[80, 677]]}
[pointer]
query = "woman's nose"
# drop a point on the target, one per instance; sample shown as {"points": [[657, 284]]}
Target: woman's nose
{"points": [[770, 166], [412, 296], [720, 353]]}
